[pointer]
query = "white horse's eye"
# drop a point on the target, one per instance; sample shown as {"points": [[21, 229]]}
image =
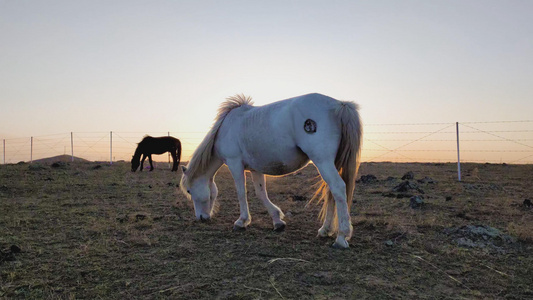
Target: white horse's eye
{"points": [[189, 192]]}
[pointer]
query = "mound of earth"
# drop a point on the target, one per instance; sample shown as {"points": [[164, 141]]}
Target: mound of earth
{"points": [[59, 158], [482, 237]]}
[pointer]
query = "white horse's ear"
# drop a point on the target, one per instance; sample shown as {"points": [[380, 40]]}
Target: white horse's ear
{"points": [[184, 169]]}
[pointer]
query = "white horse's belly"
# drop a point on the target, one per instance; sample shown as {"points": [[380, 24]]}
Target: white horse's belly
{"points": [[277, 163]]}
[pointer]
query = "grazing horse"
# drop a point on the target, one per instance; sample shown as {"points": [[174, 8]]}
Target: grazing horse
{"points": [[156, 145], [278, 139]]}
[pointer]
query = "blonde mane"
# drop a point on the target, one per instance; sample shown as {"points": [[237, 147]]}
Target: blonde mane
{"points": [[204, 153]]}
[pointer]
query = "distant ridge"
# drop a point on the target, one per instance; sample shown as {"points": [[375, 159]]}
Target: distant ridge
{"points": [[62, 158]]}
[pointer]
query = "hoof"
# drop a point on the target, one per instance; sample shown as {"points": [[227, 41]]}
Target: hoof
{"points": [[279, 227], [324, 233], [238, 228], [204, 220], [340, 244]]}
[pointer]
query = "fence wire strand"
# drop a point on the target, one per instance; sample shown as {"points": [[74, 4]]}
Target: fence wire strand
{"points": [[415, 142]]}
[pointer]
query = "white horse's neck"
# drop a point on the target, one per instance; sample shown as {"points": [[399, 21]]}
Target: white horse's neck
{"points": [[212, 168]]}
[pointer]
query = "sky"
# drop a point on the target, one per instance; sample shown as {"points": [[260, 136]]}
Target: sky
{"points": [[142, 66]]}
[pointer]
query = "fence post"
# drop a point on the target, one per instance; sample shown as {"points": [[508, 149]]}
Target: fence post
{"points": [[4, 151], [31, 150], [71, 147], [111, 147], [458, 156]]}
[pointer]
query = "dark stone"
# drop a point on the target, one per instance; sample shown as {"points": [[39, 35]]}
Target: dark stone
{"points": [[15, 249], [527, 203], [368, 178], [463, 215], [416, 202], [390, 179], [448, 198], [468, 243], [140, 217], [426, 180], [59, 164], [298, 198], [9, 254], [402, 195], [122, 219], [397, 196], [406, 186], [402, 187], [408, 176]]}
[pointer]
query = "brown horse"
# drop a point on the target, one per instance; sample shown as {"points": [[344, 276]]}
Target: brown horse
{"points": [[156, 145]]}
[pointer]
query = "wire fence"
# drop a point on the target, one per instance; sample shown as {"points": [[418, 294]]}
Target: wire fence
{"points": [[481, 142]]}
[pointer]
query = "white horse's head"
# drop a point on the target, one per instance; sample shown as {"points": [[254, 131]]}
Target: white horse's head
{"points": [[203, 191]]}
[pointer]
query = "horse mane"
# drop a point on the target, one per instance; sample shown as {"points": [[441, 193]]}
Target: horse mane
{"points": [[145, 137], [203, 154]]}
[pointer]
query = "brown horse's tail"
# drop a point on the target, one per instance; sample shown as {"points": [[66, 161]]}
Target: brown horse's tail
{"points": [[178, 152], [347, 159]]}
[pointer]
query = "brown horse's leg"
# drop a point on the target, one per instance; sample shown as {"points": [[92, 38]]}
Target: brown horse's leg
{"points": [[178, 155], [175, 159], [150, 160], [142, 162]]}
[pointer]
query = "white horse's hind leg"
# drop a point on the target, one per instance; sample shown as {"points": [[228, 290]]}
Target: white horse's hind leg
{"points": [[338, 188], [274, 211], [237, 171], [327, 228]]}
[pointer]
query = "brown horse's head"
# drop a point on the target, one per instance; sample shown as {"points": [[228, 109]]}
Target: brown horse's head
{"points": [[134, 164]]}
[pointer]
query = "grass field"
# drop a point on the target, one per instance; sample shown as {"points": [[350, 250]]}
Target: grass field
{"points": [[87, 231]]}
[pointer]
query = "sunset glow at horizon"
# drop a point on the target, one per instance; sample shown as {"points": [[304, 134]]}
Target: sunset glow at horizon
{"points": [[140, 67]]}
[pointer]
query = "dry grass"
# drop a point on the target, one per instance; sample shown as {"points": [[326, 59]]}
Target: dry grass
{"points": [[90, 232]]}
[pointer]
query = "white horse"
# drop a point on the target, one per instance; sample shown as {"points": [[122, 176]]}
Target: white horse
{"points": [[278, 139]]}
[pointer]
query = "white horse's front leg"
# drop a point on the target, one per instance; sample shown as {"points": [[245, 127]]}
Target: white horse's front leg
{"points": [[338, 188], [237, 171], [274, 211]]}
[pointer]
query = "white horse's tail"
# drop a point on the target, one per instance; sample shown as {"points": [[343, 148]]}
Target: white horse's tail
{"points": [[347, 159]]}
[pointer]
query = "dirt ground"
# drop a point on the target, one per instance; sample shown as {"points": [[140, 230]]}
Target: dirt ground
{"points": [[91, 230]]}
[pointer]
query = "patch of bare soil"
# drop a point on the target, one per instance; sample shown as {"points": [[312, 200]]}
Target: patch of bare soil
{"points": [[87, 230]]}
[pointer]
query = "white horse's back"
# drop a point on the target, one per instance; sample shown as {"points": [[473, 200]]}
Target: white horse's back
{"points": [[273, 139]]}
